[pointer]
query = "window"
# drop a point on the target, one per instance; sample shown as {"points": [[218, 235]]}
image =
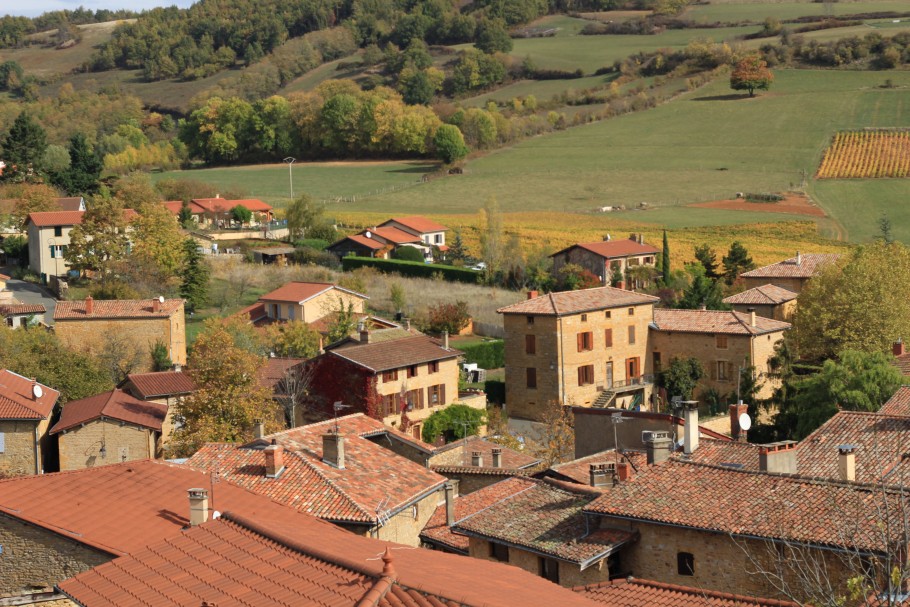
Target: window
{"points": [[412, 371], [530, 319], [631, 311], [584, 318], [530, 344], [631, 334], [499, 552], [531, 374], [608, 338], [585, 341], [548, 569], [436, 394], [391, 404], [291, 312], [437, 238], [433, 367], [721, 342], [722, 374], [586, 375], [275, 311], [58, 231], [388, 376], [607, 314], [685, 563], [415, 399]]}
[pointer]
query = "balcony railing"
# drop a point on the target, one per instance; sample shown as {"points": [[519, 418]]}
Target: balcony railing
{"points": [[631, 382]]}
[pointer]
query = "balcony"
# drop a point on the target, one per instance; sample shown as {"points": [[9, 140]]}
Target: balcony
{"points": [[625, 385]]}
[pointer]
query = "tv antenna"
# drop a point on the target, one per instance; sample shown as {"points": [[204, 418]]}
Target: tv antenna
{"points": [[616, 419], [336, 407]]}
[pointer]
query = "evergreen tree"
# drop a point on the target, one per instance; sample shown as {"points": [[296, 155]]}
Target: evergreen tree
{"points": [[85, 168], [24, 147], [456, 249], [736, 261], [708, 259], [665, 260], [185, 218], [702, 291], [195, 285]]}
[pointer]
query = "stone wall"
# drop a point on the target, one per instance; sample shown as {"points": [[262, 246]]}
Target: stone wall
{"points": [[405, 526], [34, 558], [469, 482], [570, 574], [18, 456], [80, 447], [791, 284]]}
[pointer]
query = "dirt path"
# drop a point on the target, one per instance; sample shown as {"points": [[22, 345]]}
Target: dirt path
{"points": [[792, 204]]}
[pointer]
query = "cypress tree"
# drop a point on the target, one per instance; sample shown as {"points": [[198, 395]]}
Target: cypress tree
{"points": [[195, 285], [665, 260]]}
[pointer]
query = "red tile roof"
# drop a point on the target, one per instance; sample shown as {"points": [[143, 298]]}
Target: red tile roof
{"points": [[276, 369], [808, 266], [772, 506], [299, 292], [767, 295], [547, 518], [511, 459], [395, 354], [161, 383], [241, 561], [46, 219], [374, 480], [438, 533], [714, 322], [363, 241], [898, 404], [575, 302], [419, 224], [579, 470], [223, 205], [611, 249], [175, 206], [632, 592], [724, 453], [17, 398], [117, 405], [902, 362], [79, 504], [117, 308], [367, 427], [71, 203], [393, 235], [14, 309]]}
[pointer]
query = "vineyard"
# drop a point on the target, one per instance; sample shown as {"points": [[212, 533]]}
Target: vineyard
{"points": [[867, 154]]}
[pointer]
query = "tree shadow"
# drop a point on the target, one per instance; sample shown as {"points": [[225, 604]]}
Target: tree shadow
{"points": [[418, 168], [730, 97]]}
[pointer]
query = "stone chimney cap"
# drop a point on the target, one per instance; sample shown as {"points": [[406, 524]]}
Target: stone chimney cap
{"points": [[846, 449]]}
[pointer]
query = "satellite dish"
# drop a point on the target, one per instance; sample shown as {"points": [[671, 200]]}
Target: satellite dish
{"points": [[216, 515], [37, 391], [745, 422], [368, 234], [161, 299]]}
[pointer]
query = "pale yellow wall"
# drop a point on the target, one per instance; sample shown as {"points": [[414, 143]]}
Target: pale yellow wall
{"points": [[783, 312], [791, 284], [18, 456], [328, 302], [404, 527], [80, 447], [39, 253], [447, 376]]}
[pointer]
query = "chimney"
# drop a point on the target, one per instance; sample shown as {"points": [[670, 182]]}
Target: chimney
{"points": [[274, 461], [898, 347], [333, 450], [751, 317], [34, 392], [445, 340], [602, 474], [450, 503], [497, 457], [364, 335], [156, 305], [690, 426], [778, 457], [846, 462], [621, 284], [532, 294], [799, 258], [89, 305], [178, 368], [476, 459], [607, 238], [199, 506], [735, 411], [321, 345], [658, 445], [623, 471], [258, 429]]}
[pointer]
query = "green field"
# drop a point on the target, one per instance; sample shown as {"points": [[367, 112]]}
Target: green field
{"points": [[543, 90], [724, 12], [859, 203]]}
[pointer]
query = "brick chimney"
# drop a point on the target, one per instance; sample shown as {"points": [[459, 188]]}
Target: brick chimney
{"points": [[778, 457], [846, 462], [34, 392], [601, 475], [333, 450], [735, 411], [364, 335], [621, 284], [532, 294], [156, 305], [476, 459], [199, 506], [274, 461], [623, 471], [898, 347], [658, 445], [497, 457], [690, 427], [450, 503], [258, 429], [89, 305]]}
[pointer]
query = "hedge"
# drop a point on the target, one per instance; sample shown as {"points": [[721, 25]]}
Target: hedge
{"points": [[412, 268], [487, 354]]}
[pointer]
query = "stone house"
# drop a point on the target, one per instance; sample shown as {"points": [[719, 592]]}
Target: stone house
{"points": [[475, 463], [167, 388], [768, 301], [603, 258], [722, 341], [432, 234], [25, 416], [791, 274], [17, 316], [309, 302], [132, 326], [582, 348], [107, 428], [330, 471]]}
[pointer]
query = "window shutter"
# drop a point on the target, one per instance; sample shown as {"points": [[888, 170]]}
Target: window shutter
{"points": [[581, 376], [52, 251], [442, 394], [608, 337], [579, 339], [420, 393]]}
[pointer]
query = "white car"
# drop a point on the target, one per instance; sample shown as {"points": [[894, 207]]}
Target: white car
{"points": [[480, 267]]}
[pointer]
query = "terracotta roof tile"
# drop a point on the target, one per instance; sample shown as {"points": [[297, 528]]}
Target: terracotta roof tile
{"points": [[55, 218], [361, 240], [14, 309], [300, 292], [367, 427], [579, 470], [275, 369], [479, 470], [631, 592], [898, 404], [223, 205], [763, 295], [71, 203], [392, 354], [511, 459], [115, 404], [574, 302], [419, 224], [726, 453], [160, 383], [615, 248], [714, 322], [547, 519], [808, 266], [902, 362], [17, 398], [117, 308], [703, 497], [175, 206], [393, 235]]}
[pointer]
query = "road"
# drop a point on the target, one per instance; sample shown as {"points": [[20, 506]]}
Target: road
{"points": [[30, 293]]}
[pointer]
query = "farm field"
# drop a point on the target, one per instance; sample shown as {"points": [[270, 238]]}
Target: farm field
{"points": [[47, 61], [865, 154], [859, 203], [757, 11]]}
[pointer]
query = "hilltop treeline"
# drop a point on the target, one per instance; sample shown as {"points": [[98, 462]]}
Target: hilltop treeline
{"points": [[14, 30], [872, 50]]}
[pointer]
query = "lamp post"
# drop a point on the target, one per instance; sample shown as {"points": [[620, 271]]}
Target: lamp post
{"points": [[291, 160]]}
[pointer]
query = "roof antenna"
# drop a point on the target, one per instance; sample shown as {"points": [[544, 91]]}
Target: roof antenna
{"points": [[338, 406]]}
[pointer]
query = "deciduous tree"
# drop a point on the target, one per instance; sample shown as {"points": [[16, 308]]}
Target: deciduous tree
{"points": [[101, 240], [449, 144], [681, 377], [292, 340], [751, 73]]}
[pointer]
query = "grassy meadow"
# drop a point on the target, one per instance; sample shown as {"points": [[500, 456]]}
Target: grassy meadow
{"points": [[720, 11]]}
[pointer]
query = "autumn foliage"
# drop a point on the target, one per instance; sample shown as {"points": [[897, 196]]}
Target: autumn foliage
{"points": [[867, 154], [751, 74]]}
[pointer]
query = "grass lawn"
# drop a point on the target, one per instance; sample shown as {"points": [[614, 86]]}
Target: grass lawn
{"points": [[757, 11], [859, 203], [326, 71], [46, 61]]}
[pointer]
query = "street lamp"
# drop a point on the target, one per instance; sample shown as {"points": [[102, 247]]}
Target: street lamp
{"points": [[291, 160]]}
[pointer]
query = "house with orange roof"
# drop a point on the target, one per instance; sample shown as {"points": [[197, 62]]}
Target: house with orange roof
{"points": [[768, 301], [217, 211], [475, 462], [167, 388], [430, 232], [791, 274], [330, 470], [26, 408], [379, 242], [110, 427], [634, 592], [308, 302], [135, 326], [608, 256], [15, 315]]}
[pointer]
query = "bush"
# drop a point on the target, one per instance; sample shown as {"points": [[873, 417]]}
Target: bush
{"points": [[312, 243], [763, 197], [452, 318], [450, 423], [495, 390], [310, 255], [487, 355], [412, 268], [408, 254]]}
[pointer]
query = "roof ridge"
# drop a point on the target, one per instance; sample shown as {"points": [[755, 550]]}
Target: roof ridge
{"points": [[743, 598], [534, 483], [312, 466], [747, 325]]}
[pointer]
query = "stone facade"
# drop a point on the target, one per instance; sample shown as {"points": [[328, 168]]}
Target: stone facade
{"points": [[470, 480], [80, 447], [21, 453], [570, 574], [405, 526], [791, 283], [94, 335], [783, 312], [316, 308], [34, 558], [424, 381], [600, 266]]}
